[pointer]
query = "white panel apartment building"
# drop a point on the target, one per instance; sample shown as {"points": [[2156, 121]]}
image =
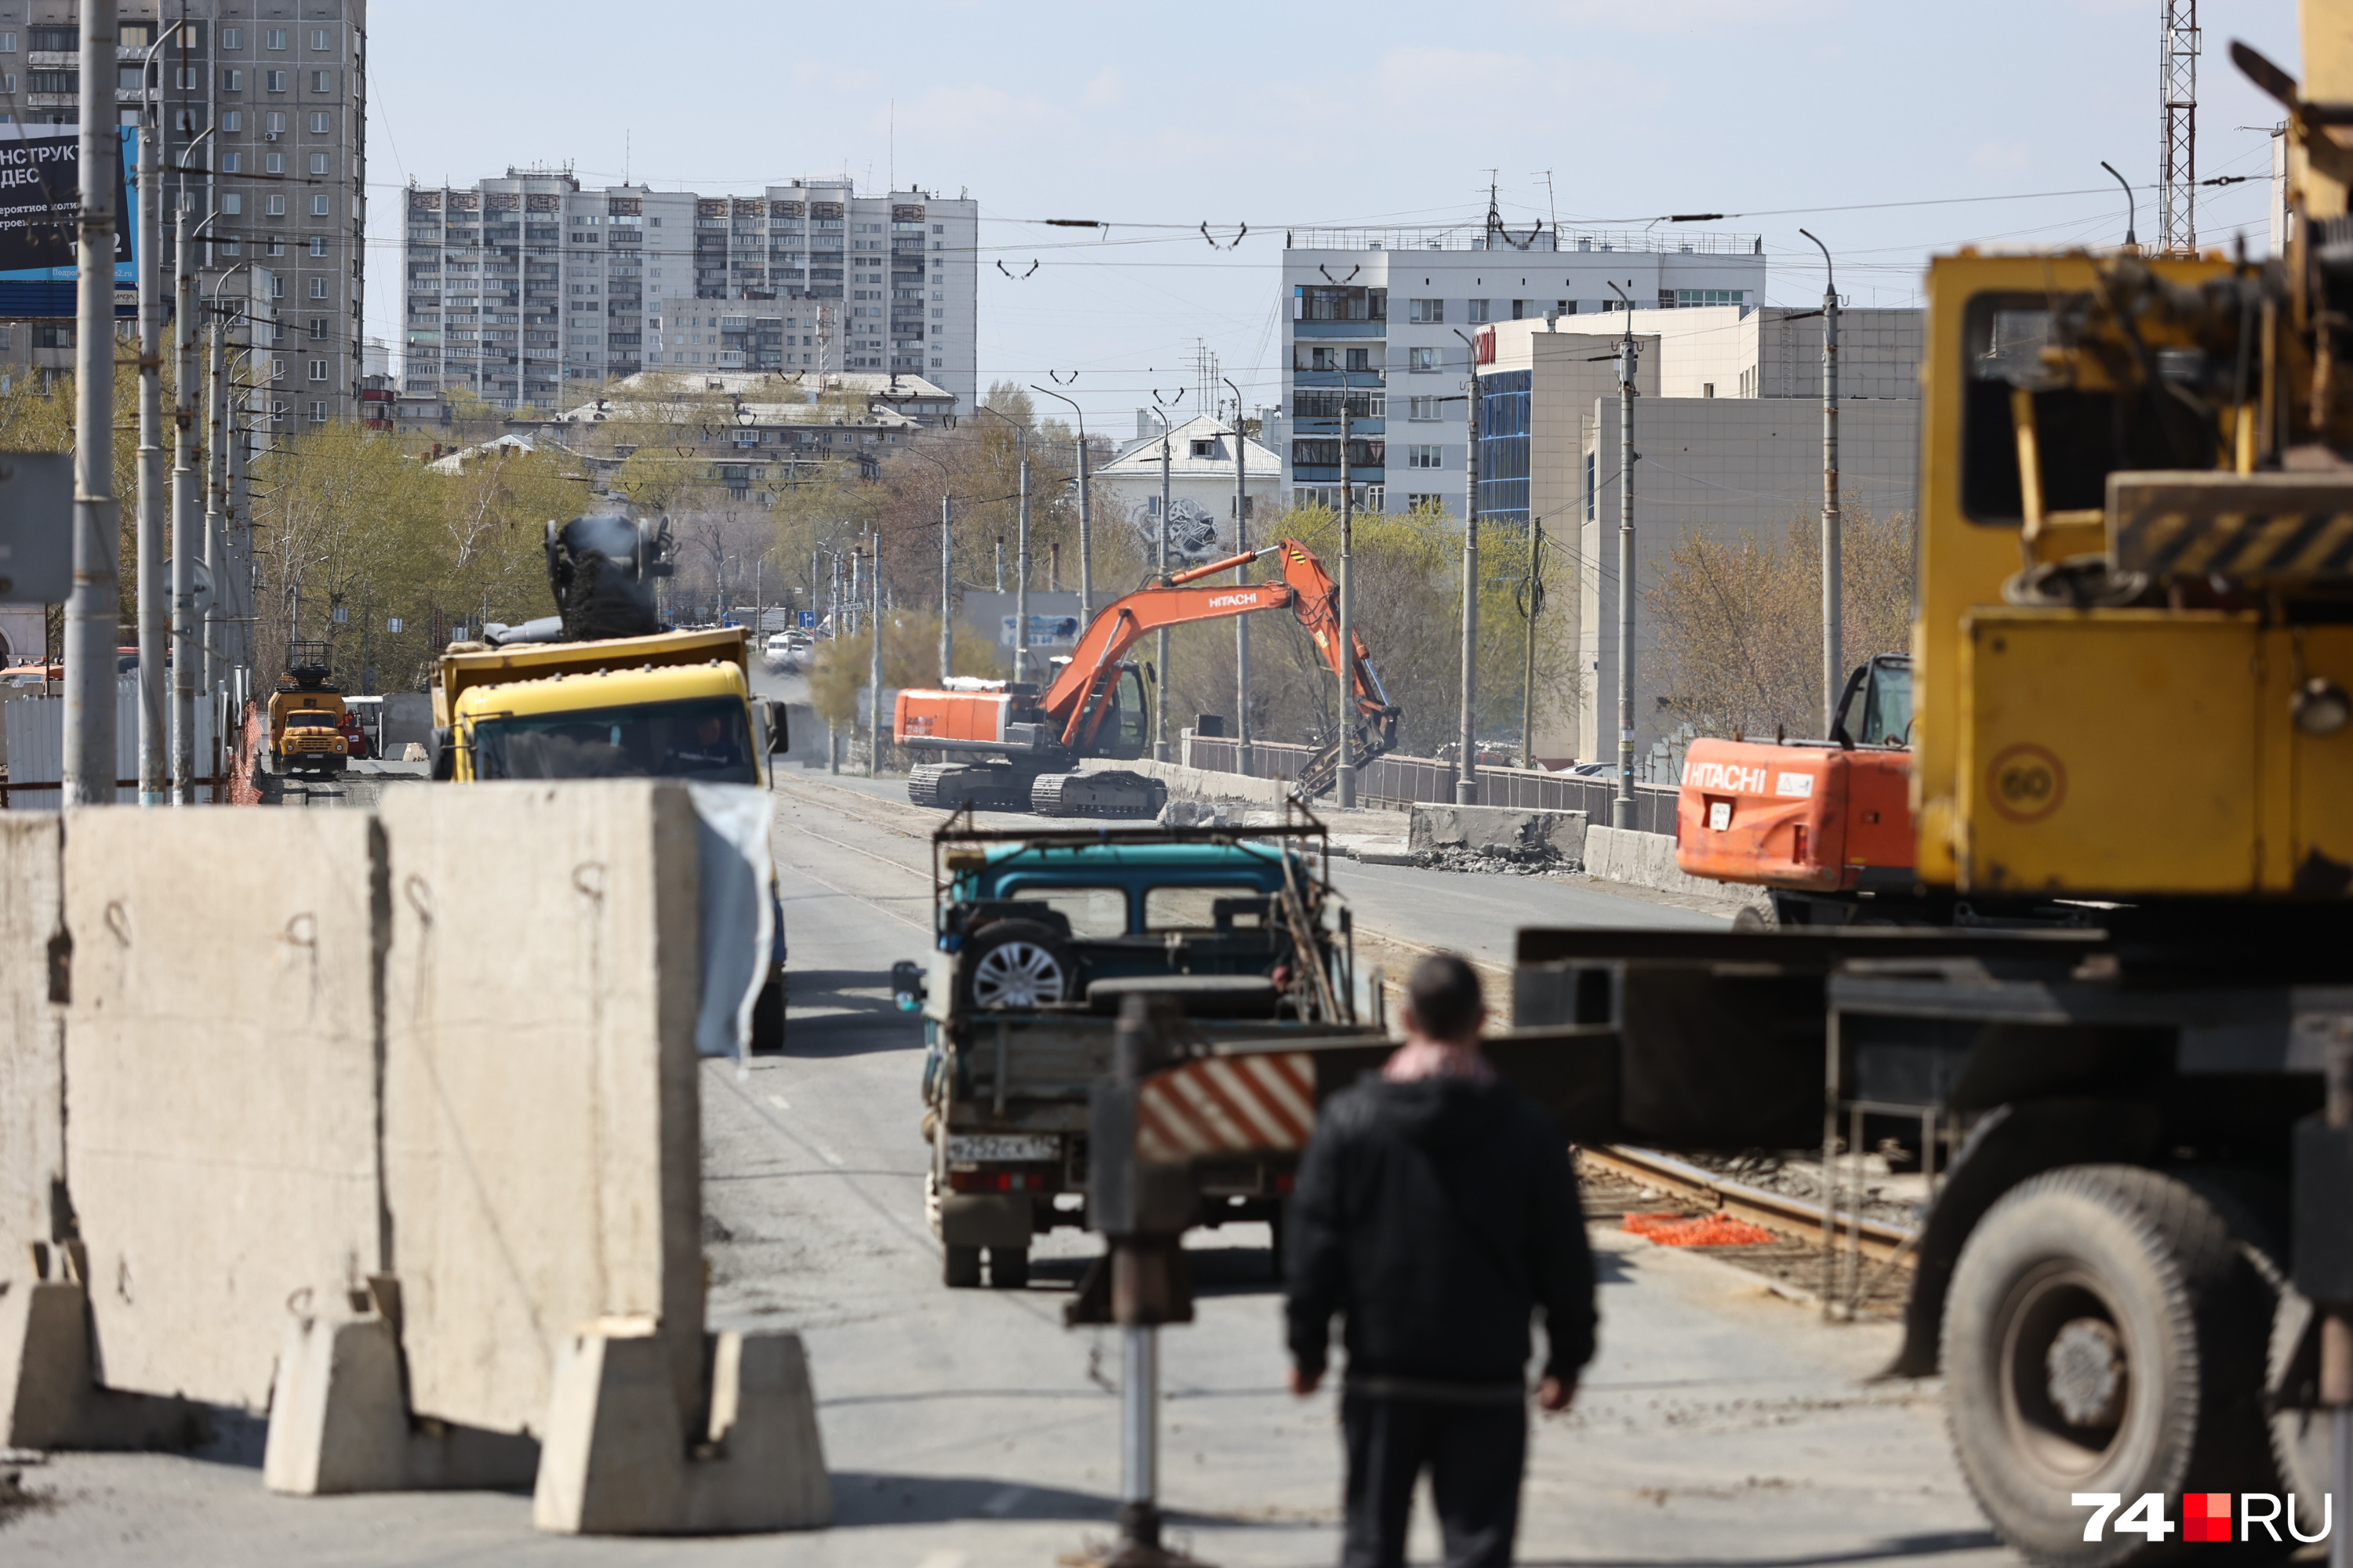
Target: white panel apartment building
{"points": [[271, 96], [527, 282], [1384, 313]]}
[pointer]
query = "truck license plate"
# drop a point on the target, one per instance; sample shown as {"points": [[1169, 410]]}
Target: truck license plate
{"points": [[998, 1148]]}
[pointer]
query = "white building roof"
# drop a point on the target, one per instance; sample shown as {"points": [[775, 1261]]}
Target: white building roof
{"points": [[456, 461], [1141, 459]]}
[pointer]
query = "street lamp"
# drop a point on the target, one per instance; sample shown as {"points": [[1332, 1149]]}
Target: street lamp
{"points": [[1021, 550], [947, 569], [1086, 535], [2131, 207]]}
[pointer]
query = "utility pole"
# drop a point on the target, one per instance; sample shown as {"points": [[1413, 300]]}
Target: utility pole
{"points": [[1621, 810], [1466, 767], [237, 554], [216, 482], [856, 596], [94, 607], [1021, 566], [187, 510], [1532, 608], [154, 597], [1160, 570], [874, 663], [1833, 560], [1344, 778], [947, 593], [1242, 574]]}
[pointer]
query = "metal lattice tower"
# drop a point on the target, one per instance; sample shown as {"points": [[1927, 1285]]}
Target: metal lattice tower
{"points": [[2177, 161]]}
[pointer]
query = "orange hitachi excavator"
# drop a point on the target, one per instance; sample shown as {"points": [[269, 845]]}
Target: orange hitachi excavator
{"points": [[1004, 746]]}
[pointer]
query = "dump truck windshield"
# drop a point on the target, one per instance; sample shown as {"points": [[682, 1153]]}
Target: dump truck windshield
{"points": [[312, 720], [699, 739]]}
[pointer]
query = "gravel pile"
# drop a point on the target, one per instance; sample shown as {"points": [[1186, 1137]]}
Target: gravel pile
{"points": [[1492, 860]]}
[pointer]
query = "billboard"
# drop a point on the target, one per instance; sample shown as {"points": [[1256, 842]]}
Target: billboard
{"points": [[40, 201]]}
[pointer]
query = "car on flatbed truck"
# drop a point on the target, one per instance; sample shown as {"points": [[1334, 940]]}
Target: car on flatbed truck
{"points": [[1036, 940]]}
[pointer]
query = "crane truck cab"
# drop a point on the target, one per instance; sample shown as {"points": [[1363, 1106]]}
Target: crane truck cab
{"points": [[306, 716]]}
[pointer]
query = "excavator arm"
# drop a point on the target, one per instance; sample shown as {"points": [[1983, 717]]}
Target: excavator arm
{"points": [[1075, 701]]}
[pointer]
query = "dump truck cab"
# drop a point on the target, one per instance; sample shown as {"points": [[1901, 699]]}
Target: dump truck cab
{"points": [[306, 715]]}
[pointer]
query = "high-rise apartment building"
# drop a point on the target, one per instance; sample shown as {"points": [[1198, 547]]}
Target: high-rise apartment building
{"points": [[526, 282], [1386, 318], [262, 109]]}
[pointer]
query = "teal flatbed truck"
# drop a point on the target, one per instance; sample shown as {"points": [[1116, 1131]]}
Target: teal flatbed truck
{"points": [[1038, 937]]}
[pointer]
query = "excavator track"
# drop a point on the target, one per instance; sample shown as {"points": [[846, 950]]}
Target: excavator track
{"points": [[948, 785], [1097, 795]]}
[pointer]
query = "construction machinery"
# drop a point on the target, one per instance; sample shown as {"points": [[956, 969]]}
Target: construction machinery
{"points": [[603, 690], [1006, 746], [2124, 1053], [306, 715]]}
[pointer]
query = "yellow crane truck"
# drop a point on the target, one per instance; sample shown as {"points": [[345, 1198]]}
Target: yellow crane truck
{"points": [[602, 690], [306, 716], [2128, 1060]]}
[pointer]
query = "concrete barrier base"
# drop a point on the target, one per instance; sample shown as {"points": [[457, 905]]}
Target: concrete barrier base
{"points": [[339, 1420], [617, 1462], [1647, 860], [49, 1394]]}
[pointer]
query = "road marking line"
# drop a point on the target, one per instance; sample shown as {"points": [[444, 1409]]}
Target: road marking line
{"points": [[1005, 1501], [827, 1155], [780, 1102]]}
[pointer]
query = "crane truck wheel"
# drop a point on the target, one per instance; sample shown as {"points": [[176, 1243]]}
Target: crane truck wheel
{"points": [[2103, 1332], [1016, 964]]}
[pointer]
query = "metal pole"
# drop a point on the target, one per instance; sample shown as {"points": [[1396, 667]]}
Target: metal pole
{"points": [[874, 662], [1242, 574], [1001, 562], [1834, 566], [236, 540], [186, 509], [1139, 1437], [1466, 767], [1533, 607], [1621, 810], [154, 593], [1021, 570], [1343, 776], [1160, 569], [1086, 536], [216, 480], [94, 607], [947, 592], [2336, 1336]]}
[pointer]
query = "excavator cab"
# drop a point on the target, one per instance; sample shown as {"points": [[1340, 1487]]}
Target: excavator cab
{"points": [[1129, 720], [1876, 707]]}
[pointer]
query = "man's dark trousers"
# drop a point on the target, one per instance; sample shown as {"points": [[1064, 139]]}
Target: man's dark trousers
{"points": [[1473, 1449]]}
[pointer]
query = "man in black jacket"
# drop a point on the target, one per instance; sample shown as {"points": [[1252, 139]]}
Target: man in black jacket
{"points": [[1436, 1212]]}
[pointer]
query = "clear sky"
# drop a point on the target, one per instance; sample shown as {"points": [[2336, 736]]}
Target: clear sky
{"points": [[1159, 118]]}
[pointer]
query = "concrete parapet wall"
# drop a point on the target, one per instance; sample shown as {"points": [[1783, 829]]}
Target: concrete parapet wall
{"points": [[1647, 860]]}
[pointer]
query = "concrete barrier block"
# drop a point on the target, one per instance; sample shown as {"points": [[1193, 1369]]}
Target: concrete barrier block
{"points": [[617, 1461], [32, 1052], [1200, 783], [49, 1393], [542, 1153], [1437, 827], [221, 1102]]}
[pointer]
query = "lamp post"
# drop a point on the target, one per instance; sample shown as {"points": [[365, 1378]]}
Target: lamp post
{"points": [[1086, 525], [1832, 563], [947, 571], [1020, 550], [1621, 809], [1241, 623]]}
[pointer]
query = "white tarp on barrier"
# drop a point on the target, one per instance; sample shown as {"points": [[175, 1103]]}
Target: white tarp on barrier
{"points": [[36, 746], [738, 919]]}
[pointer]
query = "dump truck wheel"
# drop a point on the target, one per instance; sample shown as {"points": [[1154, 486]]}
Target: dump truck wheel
{"points": [[960, 1267], [2102, 1333], [1008, 1267], [1016, 964]]}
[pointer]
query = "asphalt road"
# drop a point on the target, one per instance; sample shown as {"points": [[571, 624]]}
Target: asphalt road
{"points": [[967, 1429]]}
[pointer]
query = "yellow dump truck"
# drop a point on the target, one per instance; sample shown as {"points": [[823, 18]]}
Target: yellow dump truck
{"points": [[567, 697], [306, 716]]}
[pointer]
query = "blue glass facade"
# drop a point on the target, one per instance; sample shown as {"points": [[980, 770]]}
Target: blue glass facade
{"points": [[1503, 447]]}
